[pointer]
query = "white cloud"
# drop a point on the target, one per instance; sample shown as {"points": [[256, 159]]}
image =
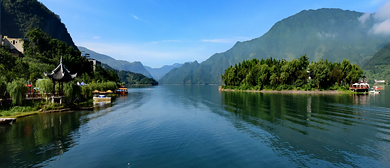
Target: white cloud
{"points": [[135, 17], [383, 12], [381, 28], [382, 19], [364, 17], [96, 37]]}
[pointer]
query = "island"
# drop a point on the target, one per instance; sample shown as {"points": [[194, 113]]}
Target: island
{"points": [[295, 76]]}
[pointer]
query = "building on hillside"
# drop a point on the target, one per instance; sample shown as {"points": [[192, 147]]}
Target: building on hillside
{"points": [[93, 63], [15, 44]]}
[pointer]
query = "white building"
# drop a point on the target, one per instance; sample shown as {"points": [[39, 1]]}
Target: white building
{"points": [[15, 44]]}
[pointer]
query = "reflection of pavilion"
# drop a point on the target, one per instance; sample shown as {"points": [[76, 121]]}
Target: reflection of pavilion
{"points": [[60, 75]]}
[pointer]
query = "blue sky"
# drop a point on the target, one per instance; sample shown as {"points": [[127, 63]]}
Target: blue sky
{"points": [[158, 32]]}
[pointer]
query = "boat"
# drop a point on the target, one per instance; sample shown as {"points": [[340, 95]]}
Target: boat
{"points": [[122, 91], [378, 87], [101, 96]]}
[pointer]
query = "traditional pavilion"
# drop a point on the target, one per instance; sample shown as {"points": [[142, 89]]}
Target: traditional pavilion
{"points": [[60, 74]]}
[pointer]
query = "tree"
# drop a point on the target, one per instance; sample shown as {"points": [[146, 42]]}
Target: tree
{"points": [[263, 75], [304, 62], [320, 71], [336, 75], [17, 91], [271, 72], [45, 85], [354, 74], [346, 68], [3, 85], [71, 90]]}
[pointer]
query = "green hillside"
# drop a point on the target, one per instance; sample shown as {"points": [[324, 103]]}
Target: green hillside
{"points": [[176, 76], [17, 17], [135, 66], [131, 78], [331, 34], [158, 73], [378, 67]]}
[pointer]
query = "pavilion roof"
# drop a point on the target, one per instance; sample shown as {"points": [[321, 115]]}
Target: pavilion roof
{"points": [[61, 74]]}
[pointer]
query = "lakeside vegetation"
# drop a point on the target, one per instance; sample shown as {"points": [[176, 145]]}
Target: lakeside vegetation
{"points": [[42, 54], [298, 74]]}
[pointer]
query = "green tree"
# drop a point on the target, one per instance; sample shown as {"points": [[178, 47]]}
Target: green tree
{"points": [[263, 75], [17, 91], [71, 90], [45, 86], [321, 72], [3, 85], [346, 68], [354, 74]]}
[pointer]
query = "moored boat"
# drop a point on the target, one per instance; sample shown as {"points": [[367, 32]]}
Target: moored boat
{"points": [[375, 91], [378, 87], [122, 91], [102, 96]]}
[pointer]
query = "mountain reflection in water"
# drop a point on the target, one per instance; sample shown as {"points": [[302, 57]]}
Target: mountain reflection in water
{"points": [[331, 128], [198, 126]]}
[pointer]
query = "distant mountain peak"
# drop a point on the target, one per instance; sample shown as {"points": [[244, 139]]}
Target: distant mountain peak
{"points": [[326, 33], [135, 66]]}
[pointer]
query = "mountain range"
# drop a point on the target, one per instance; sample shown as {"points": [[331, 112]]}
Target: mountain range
{"points": [[135, 66], [158, 73], [378, 67], [331, 34]]}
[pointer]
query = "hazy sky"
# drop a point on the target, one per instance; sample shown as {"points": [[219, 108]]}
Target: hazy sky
{"points": [[158, 32]]}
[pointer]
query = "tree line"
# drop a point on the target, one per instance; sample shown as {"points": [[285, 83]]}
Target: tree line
{"points": [[286, 75]]}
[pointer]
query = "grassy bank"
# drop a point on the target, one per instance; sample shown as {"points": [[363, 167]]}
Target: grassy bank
{"points": [[19, 111], [22, 111]]}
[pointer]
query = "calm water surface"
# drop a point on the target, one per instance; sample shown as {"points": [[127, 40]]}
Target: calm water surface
{"points": [[197, 126]]}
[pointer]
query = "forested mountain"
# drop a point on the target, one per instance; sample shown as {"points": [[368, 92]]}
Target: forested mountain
{"points": [[378, 67], [135, 66], [158, 73], [131, 78], [17, 17], [331, 34], [177, 75]]}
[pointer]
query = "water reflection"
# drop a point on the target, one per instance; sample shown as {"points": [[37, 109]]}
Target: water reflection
{"points": [[310, 129], [33, 141], [361, 99], [197, 126], [36, 139]]}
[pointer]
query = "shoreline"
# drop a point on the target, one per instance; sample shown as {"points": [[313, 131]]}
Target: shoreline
{"points": [[288, 91], [40, 111]]}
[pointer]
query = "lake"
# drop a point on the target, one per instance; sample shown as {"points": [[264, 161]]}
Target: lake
{"points": [[198, 126]]}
